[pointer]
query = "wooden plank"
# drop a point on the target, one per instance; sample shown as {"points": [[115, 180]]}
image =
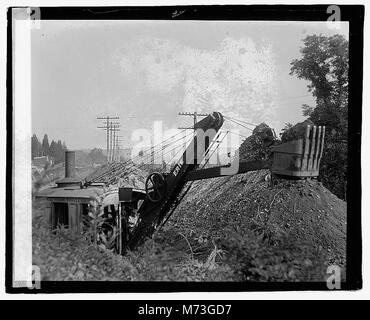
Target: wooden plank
{"points": [[304, 161], [317, 149], [73, 213], [49, 212], [312, 149], [322, 145]]}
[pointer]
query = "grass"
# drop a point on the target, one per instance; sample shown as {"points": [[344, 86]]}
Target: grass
{"points": [[172, 256], [61, 258]]}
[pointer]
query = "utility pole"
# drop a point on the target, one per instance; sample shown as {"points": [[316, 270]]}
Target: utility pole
{"points": [[119, 147], [114, 128], [194, 115], [195, 120], [110, 141], [106, 127]]}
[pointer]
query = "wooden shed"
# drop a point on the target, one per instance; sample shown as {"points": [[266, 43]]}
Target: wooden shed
{"points": [[68, 201], [67, 205]]}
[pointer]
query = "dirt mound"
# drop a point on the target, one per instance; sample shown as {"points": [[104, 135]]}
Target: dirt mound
{"points": [[125, 174], [259, 145], [303, 212], [133, 177], [297, 131]]}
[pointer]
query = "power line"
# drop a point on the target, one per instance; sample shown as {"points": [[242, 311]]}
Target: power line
{"points": [[117, 169], [248, 123], [166, 146], [114, 128], [194, 115], [208, 157], [240, 124], [281, 100], [118, 143], [161, 155], [160, 143], [107, 128], [238, 134]]}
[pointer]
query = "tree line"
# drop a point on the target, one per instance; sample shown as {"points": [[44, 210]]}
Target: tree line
{"points": [[54, 150], [324, 63]]}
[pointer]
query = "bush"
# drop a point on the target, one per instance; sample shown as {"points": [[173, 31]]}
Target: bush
{"points": [[333, 167], [257, 259], [62, 258]]}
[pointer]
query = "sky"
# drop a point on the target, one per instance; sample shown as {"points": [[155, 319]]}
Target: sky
{"points": [[146, 71]]}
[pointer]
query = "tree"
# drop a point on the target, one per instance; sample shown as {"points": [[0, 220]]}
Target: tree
{"points": [[60, 153], [324, 63], [53, 150], [82, 158], [97, 156], [36, 148], [287, 126], [45, 145]]}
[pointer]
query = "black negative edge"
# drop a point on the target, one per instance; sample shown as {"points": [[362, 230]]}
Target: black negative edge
{"points": [[352, 13]]}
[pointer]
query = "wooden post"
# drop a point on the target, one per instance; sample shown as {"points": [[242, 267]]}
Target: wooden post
{"points": [[73, 218]]}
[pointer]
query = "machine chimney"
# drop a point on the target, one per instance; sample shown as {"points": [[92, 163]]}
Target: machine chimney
{"points": [[70, 164], [70, 179]]}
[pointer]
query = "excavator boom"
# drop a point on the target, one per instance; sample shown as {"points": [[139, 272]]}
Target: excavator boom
{"points": [[163, 190]]}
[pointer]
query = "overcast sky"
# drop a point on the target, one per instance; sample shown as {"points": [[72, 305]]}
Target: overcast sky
{"points": [[143, 71]]}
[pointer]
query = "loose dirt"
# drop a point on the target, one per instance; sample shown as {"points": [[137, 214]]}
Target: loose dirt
{"points": [[302, 211]]}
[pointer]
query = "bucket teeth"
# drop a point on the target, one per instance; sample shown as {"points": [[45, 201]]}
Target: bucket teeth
{"points": [[306, 149], [321, 146], [312, 149], [317, 149], [300, 157]]}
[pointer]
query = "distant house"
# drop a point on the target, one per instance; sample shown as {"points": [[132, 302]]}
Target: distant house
{"points": [[41, 162]]}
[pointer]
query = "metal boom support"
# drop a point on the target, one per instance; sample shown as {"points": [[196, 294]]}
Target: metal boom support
{"points": [[165, 190], [216, 172]]}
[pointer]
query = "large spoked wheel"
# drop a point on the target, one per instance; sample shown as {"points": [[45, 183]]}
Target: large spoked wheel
{"points": [[155, 187]]}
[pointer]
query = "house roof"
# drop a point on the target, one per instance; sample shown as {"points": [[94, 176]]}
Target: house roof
{"points": [[84, 194]]}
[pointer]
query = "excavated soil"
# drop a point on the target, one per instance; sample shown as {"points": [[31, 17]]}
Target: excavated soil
{"points": [[284, 219]]}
